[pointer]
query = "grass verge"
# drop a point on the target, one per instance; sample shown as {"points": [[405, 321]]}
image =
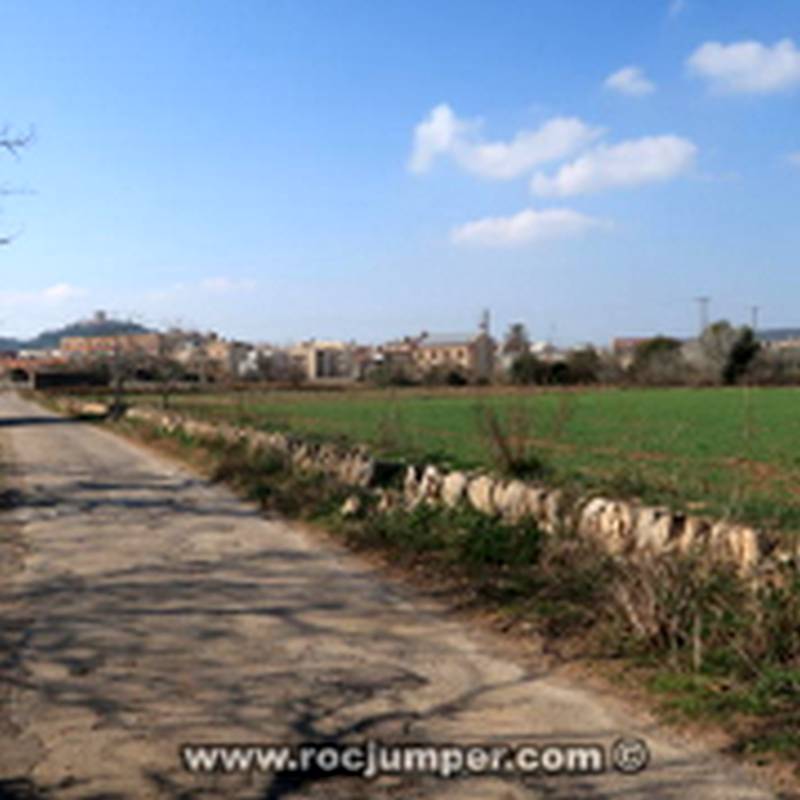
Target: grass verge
{"points": [[705, 645]]}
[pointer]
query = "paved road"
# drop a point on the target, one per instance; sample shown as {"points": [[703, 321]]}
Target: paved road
{"points": [[152, 609]]}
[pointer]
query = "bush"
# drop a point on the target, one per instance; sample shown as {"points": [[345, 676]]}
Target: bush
{"points": [[679, 607], [508, 440], [583, 366], [580, 367], [269, 477], [416, 531], [741, 356], [444, 376], [484, 542], [385, 375], [658, 362], [571, 588], [527, 369], [714, 644]]}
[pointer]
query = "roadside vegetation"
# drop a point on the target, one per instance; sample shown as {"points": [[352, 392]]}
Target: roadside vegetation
{"points": [[680, 423], [705, 643], [729, 452]]}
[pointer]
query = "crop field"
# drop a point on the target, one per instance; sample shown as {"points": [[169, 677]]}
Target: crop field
{"points": [[731, 452]]}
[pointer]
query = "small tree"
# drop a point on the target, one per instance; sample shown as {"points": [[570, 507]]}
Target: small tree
{"points": [[723, 353], [516, 340], [122, 364], [717, 341], [167, 370], [444, 375], [527, 369], [658, 361], [775, 367], [744, 350], [126, 361], [389, 374], [584, 365], [199, 363]]}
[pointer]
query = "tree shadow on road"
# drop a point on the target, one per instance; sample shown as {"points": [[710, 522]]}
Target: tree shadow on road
{"points": [[164, 612], [21, 789], [24, 422]]}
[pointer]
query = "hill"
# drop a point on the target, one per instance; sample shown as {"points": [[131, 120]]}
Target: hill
{"points": [[99, 325]]}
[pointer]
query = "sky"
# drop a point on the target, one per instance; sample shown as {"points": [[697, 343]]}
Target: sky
{"points": [[364, 170]]}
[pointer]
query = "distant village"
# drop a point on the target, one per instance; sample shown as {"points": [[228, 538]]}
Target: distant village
{"points": [[99, 348]]}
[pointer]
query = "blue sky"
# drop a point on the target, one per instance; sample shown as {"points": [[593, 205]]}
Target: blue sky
{"points": [[277, 170]]}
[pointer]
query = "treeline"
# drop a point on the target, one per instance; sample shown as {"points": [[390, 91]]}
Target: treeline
{"points": [[723, 355]]}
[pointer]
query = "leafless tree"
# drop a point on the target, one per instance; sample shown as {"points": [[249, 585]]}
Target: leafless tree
{"points": [[12, 142], [516, 340], [123, 363], [168, 370]]}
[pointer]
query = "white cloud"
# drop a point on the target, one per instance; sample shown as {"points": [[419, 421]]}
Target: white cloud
{"points": [[748, 67], [435, 136], [442, 133], [526, 227], [61, 292], [57, 294], [222, 285], [215, 285], [677, 7], [794, 158], [165, 293], [631, 163], [630, 81], [555, 139]]}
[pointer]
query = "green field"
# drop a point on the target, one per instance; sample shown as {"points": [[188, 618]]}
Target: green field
{"points": [[732, 452]]}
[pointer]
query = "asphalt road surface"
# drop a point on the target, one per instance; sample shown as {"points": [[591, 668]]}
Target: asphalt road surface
{"points": [[142, 608]]}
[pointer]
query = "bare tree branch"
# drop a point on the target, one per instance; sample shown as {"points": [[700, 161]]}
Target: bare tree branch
{"points": [[12, 142], [9, 238]]}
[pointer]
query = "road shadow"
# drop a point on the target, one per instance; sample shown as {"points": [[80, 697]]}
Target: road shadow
{"points": [[274, 646], [164, 612], [21, 789], [23, 422]]}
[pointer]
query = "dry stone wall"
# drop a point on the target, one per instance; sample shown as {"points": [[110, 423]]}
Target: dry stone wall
{"points": [[625, 528]]}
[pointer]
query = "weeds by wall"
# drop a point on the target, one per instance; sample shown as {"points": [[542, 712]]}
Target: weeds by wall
{"points": [[712, 640]]}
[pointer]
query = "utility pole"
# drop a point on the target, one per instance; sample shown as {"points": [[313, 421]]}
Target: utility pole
{"points": [[754, 317], [702, 303], [485, 322]]}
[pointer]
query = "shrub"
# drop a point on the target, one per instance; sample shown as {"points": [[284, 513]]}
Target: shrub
{"points": [[508, 440], [527, 369], [741, 356], [658, 362]]}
